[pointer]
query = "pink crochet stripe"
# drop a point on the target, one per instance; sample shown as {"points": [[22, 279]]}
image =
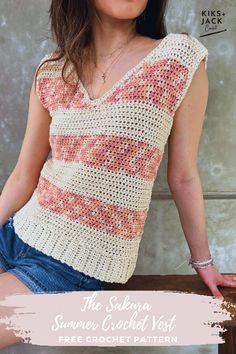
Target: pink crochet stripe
{"points": [[115, 220], [54, 94], [113, 153], [162, 82]]}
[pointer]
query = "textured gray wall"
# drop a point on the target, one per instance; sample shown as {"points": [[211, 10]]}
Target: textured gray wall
{"points": [[23, 42]]}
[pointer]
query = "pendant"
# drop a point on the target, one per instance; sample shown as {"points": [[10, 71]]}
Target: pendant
{"points": [[104, 77]]}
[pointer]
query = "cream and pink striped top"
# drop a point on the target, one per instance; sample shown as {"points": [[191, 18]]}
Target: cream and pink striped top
{"points": [[92, 198]]}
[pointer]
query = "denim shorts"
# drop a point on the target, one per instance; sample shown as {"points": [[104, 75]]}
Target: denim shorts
{"points": [[39, 272]]}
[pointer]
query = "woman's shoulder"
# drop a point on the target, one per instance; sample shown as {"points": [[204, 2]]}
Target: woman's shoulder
{"points": [[50, 64], [48, 59], [185, 38], [187, 48]]}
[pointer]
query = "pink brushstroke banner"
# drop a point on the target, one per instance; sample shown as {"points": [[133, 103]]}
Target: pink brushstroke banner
{"points": [[117, 318]]}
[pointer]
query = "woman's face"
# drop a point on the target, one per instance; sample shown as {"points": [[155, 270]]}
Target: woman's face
{"points": [[120, 9]]}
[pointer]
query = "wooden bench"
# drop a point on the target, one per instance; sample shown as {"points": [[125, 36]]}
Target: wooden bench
{"points": [[191, 283]]}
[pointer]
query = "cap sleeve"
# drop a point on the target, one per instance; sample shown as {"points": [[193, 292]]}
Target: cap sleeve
{"points": [[42, 79], [190, 52]]}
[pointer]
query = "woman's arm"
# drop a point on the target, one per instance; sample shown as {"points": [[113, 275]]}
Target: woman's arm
{"points": [[183, 178], [34, 152], [182, 172]]}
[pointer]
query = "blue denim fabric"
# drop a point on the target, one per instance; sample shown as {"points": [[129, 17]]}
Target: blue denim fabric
{"points": [[39, 272]]}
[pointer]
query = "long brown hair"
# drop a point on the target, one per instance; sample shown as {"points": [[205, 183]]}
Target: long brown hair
{"points": [[71, 29]]}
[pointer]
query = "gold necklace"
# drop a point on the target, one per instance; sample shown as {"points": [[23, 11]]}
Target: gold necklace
{"points": [[110, 54], [104, 73]]}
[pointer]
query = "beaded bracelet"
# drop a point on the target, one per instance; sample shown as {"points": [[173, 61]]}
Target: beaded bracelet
{"points": [[201, 264]]}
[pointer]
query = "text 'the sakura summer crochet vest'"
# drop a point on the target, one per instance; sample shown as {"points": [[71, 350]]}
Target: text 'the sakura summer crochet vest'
{"points": [[89, 207]]}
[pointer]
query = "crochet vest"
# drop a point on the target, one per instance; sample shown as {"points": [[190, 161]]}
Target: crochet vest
{"points": [[89, 207]]}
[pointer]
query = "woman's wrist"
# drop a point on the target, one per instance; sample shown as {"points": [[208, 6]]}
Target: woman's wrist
{"points": [[201, 263]]}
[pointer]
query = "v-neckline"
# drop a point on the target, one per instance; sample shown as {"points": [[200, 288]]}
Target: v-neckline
{"points": [[123, 78]]}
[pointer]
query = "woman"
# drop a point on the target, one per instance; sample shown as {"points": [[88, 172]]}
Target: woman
{"points": [[129, 87]]}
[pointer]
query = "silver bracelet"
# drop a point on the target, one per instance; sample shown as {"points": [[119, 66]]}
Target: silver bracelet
{"points": [[201, 264]]}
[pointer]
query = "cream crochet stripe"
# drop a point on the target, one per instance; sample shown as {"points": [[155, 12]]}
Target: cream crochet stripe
{"points": [[91, 202]]}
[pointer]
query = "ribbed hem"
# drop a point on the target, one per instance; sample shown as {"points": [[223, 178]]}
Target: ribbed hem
{"points": [[84, 258]]}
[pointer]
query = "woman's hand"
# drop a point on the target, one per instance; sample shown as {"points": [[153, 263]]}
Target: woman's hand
{"points": [[212, 278]]}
